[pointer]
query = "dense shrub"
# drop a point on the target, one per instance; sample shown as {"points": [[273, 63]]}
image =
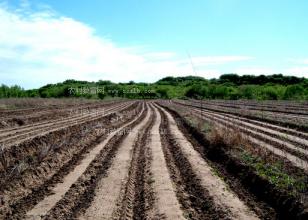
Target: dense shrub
{"points": [[228, 86]]}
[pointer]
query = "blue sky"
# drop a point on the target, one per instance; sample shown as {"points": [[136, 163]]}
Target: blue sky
{"points": [[46, 41]]}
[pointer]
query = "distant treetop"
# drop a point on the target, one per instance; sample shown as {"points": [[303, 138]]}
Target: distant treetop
{"points": [[259, 80]]}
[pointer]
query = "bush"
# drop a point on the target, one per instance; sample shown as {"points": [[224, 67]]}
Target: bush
{"points": [[294, 92], [269, 93], [162, 93], [195, 91]]}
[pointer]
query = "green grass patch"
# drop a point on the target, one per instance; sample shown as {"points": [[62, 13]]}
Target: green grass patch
{"points": [[202, 125], [275, 174]]}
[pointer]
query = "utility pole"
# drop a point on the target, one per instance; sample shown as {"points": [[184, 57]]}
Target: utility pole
{"points": [[195, 73]]}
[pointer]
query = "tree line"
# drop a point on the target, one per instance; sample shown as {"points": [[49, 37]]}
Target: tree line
{"points": [[227, 86]]}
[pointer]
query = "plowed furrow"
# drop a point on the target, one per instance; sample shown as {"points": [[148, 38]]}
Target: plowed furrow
{"points": [[132, 204], [274, 133], [59, 179], [214, 198], [295, 147], [285, 130], [242, 180], [43, 129], [166, 205], [260, 109], [280, 120], [260, 135], [195, 200], [7, 135], [286, 107], [294, 153], [56, 116], [38, 113], [73, 118], [99, 110], [109, 189], [60, 189], [80, 195], [282, 150]]}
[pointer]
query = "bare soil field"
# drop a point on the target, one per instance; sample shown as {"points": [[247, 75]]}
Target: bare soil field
{"points": [[156, 159]]}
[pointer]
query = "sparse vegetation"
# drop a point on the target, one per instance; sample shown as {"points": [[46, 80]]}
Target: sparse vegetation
{"points": [[232, 150], [276, 174], [192, 152]]}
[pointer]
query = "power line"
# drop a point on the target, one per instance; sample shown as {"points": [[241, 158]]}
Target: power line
{"points": [[195, 73]]}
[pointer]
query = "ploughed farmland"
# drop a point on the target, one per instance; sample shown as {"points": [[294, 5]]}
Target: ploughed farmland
{"points": [[156, 159]]}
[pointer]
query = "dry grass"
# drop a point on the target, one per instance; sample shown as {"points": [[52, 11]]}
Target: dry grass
{"points": [[221, 136], [276, 171], [21, 103], [3, 160]]}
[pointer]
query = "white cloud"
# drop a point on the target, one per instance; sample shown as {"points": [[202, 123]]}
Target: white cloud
{"points": [[43, 47], [299, 61], [214, 60], [210, 73], [161, 55], [300, 71]]}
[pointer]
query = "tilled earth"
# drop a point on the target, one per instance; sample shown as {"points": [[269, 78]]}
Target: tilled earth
{"points": [[133, 160]]}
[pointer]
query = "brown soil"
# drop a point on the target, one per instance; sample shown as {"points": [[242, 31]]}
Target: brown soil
{"points": [[139, 160], [266, 200]]}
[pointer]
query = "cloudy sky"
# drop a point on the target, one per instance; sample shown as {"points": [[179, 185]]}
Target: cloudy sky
{"points": [[48, 41]]}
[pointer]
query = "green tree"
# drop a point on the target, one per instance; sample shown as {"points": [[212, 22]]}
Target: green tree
{"points": [[294, 92]]}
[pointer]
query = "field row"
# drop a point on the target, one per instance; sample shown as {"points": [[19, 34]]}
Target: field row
{"points": [[141, 160], [283, 117]]}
